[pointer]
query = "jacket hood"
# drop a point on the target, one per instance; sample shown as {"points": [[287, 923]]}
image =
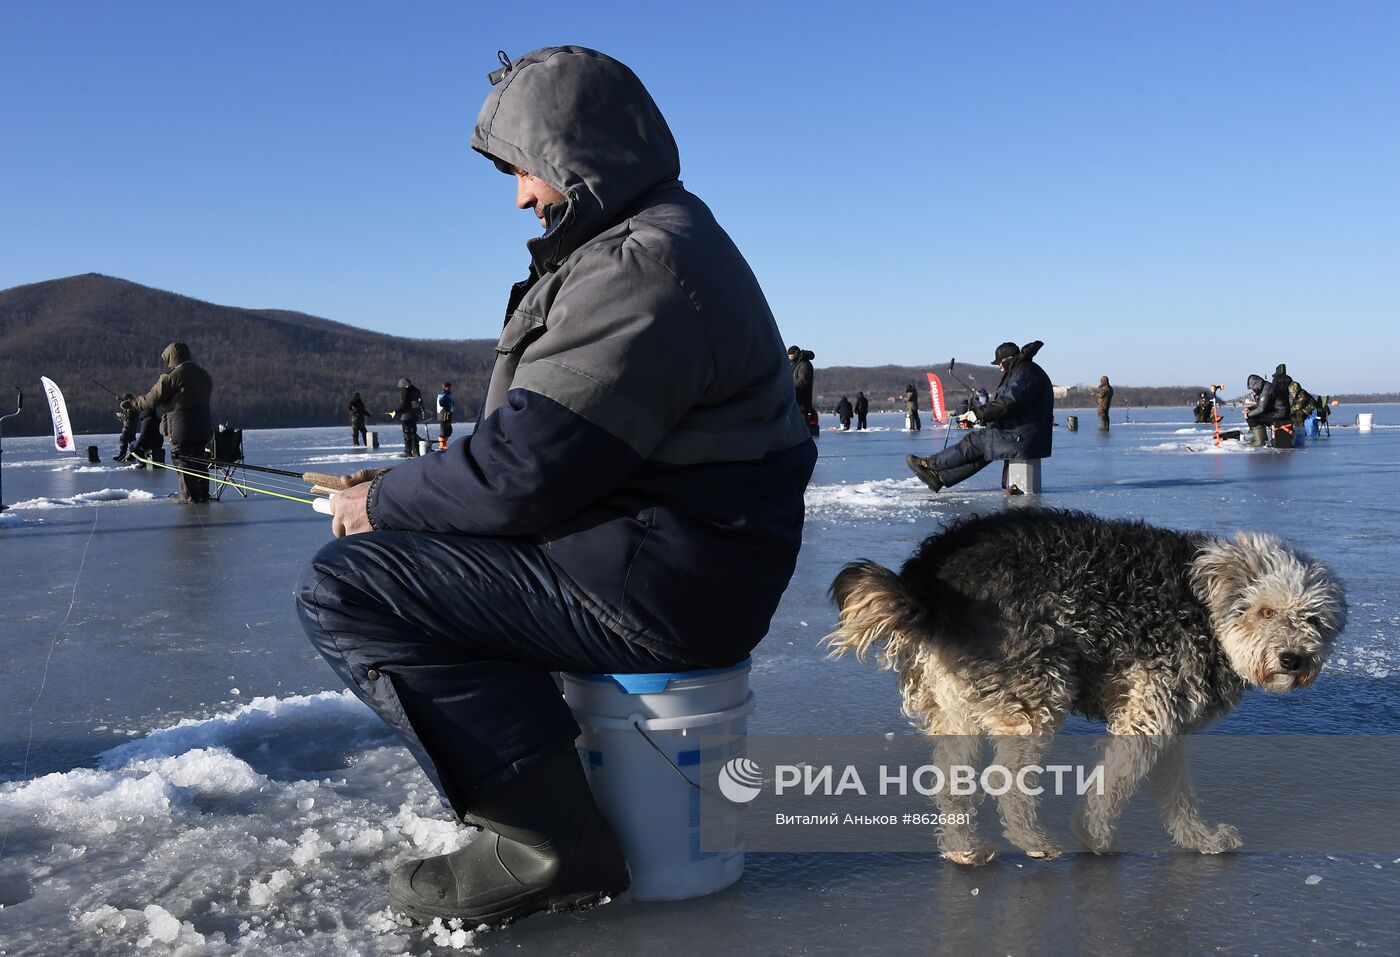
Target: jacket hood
{"points": [[1103, 380], [175, 353], [582, 122], [1255, 383]]}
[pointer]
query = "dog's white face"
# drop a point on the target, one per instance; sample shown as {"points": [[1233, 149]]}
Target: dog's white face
{"points": [[1275, 613]]}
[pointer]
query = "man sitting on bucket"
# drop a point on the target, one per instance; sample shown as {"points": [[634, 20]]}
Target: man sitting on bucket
{"points": [[630, 501], [1019, 418]]}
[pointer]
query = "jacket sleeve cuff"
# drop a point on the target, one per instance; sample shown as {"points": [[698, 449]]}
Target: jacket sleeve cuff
{"points": [[372, 502]]}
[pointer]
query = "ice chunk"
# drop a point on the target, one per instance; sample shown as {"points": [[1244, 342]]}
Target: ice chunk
{"points": [[161, 924]]}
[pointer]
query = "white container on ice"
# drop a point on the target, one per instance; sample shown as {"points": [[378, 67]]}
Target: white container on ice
{"points": [[642, 751], [1363, 421]]}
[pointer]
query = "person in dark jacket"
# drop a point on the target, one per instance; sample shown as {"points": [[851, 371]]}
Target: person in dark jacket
{"points": [[409, 411], [1019, 420], [802, 380], [357, 420], [843, 413], [1103, 401], [184, 393], [129, 418], [630, 500], [862, 410], [1301, 404], [446, 409], [911, 408], [1272, 412], [1201, 411], [149, 441], [1258, 430]]}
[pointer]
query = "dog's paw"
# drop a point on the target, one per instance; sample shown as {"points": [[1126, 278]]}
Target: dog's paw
{"points": [[980, 856], [1094, 835], [1224, 837]]}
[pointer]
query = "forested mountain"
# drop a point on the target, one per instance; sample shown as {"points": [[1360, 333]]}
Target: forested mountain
{"points": [[271, 367], [274, 368]]}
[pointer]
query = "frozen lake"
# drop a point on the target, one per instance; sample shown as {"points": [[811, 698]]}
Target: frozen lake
{"points": [[179, 770]]}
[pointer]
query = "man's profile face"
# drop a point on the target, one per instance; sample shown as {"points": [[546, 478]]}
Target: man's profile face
{"points": [[531, 192]]}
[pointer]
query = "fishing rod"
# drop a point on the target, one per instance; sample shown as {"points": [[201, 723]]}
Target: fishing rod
{"points": [[971, 398], [325, 479], [19, 404], [104, 388], [320, 504], [951, 363]]}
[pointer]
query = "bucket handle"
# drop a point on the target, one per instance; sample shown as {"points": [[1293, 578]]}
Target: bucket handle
{"points": [[681, 723], [683, 776], [642, 725]]}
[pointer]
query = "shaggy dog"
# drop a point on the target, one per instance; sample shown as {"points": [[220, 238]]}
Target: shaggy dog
{"points": [[1003, 625]]}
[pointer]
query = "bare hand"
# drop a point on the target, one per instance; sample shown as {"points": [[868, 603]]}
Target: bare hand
{"points": [[350, 512]]}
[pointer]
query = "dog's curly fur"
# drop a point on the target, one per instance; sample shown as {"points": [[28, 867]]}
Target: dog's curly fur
{"points": [[1003, 625]]}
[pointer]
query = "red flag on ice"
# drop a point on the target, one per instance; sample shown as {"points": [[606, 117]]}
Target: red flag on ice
{"points": [[935, 391]]}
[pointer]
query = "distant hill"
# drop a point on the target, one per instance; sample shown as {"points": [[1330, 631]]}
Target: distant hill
{"points": [[272, 368]]}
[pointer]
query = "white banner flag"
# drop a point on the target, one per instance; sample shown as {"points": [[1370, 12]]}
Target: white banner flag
{"points": [[62, 427]]}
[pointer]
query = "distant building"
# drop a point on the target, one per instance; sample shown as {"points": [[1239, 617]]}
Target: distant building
{"points": [[1061, 391]]}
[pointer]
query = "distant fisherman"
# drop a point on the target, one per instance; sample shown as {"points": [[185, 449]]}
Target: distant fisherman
{"points": [[357, 420], [862, 410], [184, 392], [446, 406], [149, 440], [1103, 400], [410, 410], [1019, 419], [128, 417], [802, 381], [843, 412]]}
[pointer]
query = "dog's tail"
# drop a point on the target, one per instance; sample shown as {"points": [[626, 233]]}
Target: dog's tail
{"points": [[876, 608]]}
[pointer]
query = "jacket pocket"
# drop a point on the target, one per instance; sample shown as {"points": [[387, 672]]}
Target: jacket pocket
{"points": [[521, 329]]}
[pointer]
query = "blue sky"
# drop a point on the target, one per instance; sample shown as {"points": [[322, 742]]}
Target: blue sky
{"points": [[1163, 192]]}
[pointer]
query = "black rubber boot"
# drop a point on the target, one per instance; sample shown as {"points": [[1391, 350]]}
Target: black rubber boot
{"points": [[920, 467], [544, 846]]}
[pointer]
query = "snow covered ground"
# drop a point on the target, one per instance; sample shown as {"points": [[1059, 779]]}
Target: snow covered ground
{"points": [[181, 774]]}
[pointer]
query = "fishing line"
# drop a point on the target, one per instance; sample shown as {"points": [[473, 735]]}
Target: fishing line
{"points": [[209, 541], [219, 481], [53, 643]]}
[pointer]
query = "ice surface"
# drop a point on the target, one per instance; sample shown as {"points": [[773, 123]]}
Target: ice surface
{"points": [[375, 455], [181, 774]]}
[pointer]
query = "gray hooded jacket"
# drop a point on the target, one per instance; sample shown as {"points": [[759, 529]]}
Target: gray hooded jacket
{"points": [[640, 420]]}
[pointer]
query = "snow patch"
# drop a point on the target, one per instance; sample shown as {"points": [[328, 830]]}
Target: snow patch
{"points": [[275, 814], [87, 498], [882, 498]]}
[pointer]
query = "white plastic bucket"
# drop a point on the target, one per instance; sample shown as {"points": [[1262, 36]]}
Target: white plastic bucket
{"points": [[641, 748], [422, 446], [1363, 421]]}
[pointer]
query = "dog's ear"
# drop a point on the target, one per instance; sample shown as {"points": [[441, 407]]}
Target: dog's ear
{"points": [[875, 607], [1223, 569]]}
